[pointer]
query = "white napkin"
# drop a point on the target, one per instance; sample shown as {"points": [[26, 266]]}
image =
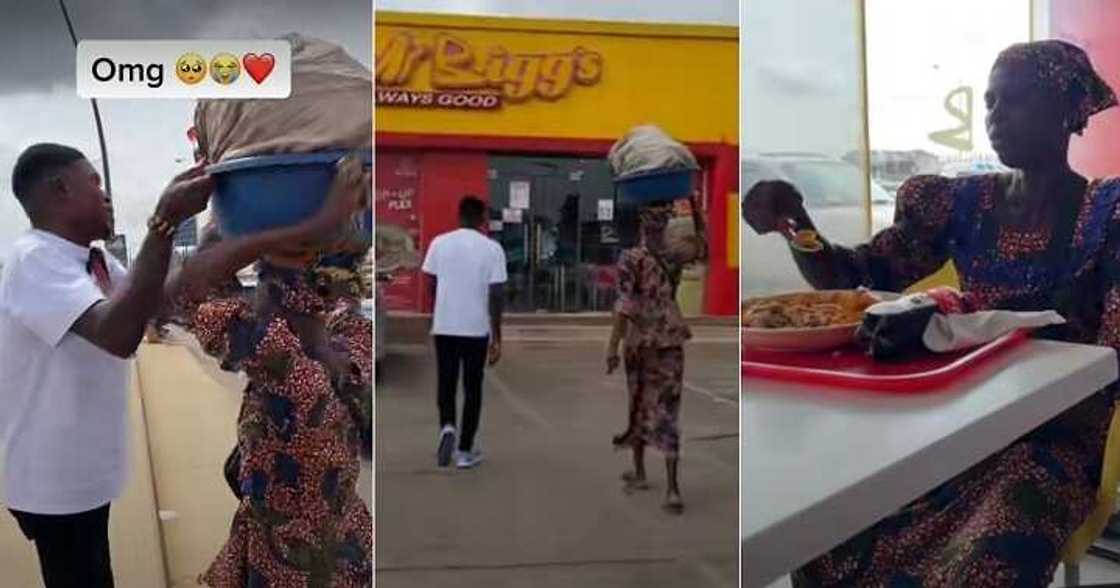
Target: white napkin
{"points": [[950, 332]]}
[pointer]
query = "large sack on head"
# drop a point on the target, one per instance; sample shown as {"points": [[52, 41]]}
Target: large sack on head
{"points": [[330, 108], [647, 149]]}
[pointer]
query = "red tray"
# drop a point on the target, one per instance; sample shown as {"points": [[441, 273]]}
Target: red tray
{"points": [[851, 367]]}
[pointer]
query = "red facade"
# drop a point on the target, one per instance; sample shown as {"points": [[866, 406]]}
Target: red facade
{"points": [[420, 179]]}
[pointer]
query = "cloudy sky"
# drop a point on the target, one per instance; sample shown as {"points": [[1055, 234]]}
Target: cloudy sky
{"points": [[801, 69], [800, 76], [146, 138]]}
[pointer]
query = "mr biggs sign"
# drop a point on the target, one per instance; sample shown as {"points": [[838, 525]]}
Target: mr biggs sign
{"points": [[463, 76]]}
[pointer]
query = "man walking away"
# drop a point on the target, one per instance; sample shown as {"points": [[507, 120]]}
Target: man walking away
{"points": [[468, 276]]}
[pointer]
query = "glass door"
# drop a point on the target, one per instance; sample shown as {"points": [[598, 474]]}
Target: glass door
{"points": [[553, 216]]}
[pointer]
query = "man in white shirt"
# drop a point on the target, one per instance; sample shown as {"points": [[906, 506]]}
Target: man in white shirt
{"points": [[70, 320], [468, 276]]}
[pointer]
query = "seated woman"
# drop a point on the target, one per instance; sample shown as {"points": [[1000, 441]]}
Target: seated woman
{"points": [[308, 357], [1041, 237]]}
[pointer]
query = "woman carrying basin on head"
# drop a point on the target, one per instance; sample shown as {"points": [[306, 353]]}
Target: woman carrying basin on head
{"points": [[648, 321], [1041, 237], [306, 412]]}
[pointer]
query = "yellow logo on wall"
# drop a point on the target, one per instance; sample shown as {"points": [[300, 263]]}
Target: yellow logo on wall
{"points": [[463, 76]]}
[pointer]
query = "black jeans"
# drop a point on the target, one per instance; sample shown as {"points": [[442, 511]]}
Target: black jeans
{"points": [[73, 549], [470, 352]]}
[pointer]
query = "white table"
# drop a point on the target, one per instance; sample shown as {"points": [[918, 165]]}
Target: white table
{"points": [[820, 465]]}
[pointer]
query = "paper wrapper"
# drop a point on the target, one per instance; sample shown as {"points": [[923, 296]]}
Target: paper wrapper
{"points": [[934, 322], [961, 331]]}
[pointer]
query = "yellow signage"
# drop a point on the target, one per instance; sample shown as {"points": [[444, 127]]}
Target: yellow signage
{"points": [[481, 76], [453, 63]]}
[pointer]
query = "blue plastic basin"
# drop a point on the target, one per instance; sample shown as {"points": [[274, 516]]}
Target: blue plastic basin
{"points": [[659, 186], [262, 192]]}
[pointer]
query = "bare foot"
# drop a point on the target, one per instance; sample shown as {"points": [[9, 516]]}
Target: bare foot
{"points": [[632, 482], [673, 503]]}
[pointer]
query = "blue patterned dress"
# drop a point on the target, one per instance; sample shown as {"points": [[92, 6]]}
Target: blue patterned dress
{"points": [[301, 522], [1003, 522]]}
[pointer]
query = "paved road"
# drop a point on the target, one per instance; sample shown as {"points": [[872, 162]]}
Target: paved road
{"points": [[546, 509]]}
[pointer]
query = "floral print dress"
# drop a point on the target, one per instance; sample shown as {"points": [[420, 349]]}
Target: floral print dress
{"points": [[1004, 521], [300, 522], [653, 347]]}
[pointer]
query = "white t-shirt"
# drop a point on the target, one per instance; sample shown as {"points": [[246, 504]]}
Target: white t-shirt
{"points": [[465, 263], [63, 402]]}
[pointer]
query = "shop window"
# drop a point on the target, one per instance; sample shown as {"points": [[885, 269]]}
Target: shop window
{"points": [[555, 218], [803, 121], [927, 67], [927, 64]]}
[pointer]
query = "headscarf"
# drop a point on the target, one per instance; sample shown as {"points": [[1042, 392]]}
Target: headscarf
{"points": [[315, 289], [327, 276], [1066, 68]]}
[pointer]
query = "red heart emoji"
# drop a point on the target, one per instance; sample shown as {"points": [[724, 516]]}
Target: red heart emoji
{"points": [[258, 66]]}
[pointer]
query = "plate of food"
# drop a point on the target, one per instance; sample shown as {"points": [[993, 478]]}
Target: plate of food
{"points": [[806, 321]]}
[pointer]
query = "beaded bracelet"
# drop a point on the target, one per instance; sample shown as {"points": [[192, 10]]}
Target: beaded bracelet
{"points": [[157, 225]]}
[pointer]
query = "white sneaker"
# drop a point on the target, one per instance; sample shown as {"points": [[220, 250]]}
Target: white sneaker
{"points": [[468, 459], [446, 446]]}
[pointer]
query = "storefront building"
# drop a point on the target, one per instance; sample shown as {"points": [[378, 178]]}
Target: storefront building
{"points": [[521, 113]]}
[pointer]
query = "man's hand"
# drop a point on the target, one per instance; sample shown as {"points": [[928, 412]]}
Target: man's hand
{"points": [[770, 205], [494, 354], [117, 325], [613, 361], [186, 195]]}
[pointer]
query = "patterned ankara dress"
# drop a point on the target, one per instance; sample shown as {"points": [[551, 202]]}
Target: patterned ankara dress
{"points": [[300, 522], [653, 351], [1003, 522]]}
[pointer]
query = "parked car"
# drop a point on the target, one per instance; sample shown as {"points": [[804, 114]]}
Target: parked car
{"points": [[834, 197], [960, 169]]}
